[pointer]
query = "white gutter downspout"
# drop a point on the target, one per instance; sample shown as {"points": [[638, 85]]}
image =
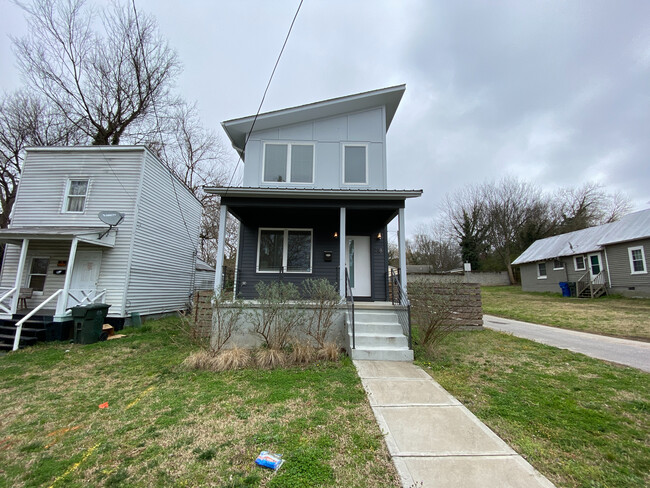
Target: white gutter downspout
{"points": [[609, 277]]}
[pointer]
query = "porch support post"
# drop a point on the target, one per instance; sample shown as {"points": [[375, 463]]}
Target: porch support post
{"points": [[19, 275], [63, 298], [402, 248], [221, 244], [342, 252]]}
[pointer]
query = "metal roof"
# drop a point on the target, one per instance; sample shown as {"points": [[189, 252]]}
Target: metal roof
{"points": [[631, 227], [313, 193]]}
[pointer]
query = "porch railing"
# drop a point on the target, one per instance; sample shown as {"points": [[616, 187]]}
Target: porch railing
{"points": [[19, 324], [7, 295], [594, 285], [349, 299], [79, 298], [402, 305]]}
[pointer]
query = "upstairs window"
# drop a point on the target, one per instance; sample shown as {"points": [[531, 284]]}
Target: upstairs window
{"points": [[541, 271], [579, 262], [355, 165], [637, 260], [289, 250], [75, 198], [293, 163]]}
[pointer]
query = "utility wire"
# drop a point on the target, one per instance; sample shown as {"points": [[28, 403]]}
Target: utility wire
{"points": [[286, 39]]}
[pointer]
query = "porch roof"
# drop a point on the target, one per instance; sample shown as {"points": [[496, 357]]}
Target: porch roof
{"points": [[313, 193], [88, 235]]}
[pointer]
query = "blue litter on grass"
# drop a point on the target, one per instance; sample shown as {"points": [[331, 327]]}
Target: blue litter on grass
{"points": [[268, 460]]}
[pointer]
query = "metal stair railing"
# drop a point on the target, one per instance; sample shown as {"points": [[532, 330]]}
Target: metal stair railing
{"points": [[401, 300], [349, 299]]}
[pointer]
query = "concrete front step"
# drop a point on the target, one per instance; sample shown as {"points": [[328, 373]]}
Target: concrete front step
{"points": [[382, 354], [388, 341]]}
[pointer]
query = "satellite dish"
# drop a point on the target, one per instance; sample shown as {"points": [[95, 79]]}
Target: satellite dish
{"points": [[110, 217]]}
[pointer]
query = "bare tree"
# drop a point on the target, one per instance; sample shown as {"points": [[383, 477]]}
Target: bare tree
{"points": [[106, 83], [432, 247], [26, 120]]}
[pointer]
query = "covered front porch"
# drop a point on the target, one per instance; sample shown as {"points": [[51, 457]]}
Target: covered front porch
{"points": [[293, 235], [48, 270]]}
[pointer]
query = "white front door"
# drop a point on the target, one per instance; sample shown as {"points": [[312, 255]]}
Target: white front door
{"points": [[594, 265], [357, 260], [85, 275]]}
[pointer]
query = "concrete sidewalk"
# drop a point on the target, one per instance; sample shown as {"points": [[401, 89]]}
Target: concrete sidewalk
{"points": [[433, 439], [635, 354]]}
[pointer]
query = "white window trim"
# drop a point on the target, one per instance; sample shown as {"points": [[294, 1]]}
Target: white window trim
{"points": [[575, 263], [29, 273], [285, 250], [64, 208], [558, 269], [539, 276], [353, 144], [287, 166], [629, 253]]}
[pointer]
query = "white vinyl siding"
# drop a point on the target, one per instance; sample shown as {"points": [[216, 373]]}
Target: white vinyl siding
{"points": [[355, 164], [637, 260], [288, 162], [541, 271], [289, 250]]}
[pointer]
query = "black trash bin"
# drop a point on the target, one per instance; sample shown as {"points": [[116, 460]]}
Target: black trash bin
{"points": [[566, 292], [88, 322], [572, 288]]}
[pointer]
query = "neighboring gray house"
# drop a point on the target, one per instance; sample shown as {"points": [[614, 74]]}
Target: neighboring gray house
{"points": [[609, 258], [56, 244], [315, 202]]}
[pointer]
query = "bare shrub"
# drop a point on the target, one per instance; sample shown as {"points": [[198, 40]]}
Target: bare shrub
{"points": [[432, 313], [329, 352], [230, 359], [270, 358], [225, 319], [302, 353], [325, 299], [278, 315]]}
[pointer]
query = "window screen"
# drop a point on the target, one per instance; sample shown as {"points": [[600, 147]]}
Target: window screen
{"points": [[275, 162], [355, 164], [271, 243], [302, 167]]}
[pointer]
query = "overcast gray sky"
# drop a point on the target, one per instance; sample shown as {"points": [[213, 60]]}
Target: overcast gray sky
{"points": [[554, 92]]}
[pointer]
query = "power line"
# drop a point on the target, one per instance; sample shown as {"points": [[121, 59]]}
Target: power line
{"points": [[286, 39]]}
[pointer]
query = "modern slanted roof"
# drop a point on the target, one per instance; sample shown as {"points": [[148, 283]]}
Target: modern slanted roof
{"points": [[237, 129], [631, 227], [313, 193]]}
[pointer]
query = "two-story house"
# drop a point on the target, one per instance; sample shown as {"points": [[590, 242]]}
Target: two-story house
{"points": [[58, 249], [315, 200]]}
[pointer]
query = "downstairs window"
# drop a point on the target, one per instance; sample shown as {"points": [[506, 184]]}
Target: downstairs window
{"points": [[288, 250]]}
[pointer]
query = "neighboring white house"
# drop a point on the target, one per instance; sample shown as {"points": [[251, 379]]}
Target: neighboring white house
{"points": [[57, 245]]}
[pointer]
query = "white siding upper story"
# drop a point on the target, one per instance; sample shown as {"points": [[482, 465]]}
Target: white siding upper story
{"points": [[364, 133]]}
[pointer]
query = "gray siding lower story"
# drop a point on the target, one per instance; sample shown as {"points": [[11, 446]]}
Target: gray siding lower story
{"points": [[530, 281], [622, 278]]}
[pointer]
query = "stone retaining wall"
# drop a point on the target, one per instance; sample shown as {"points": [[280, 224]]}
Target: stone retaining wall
{"points": [[463, 300]]}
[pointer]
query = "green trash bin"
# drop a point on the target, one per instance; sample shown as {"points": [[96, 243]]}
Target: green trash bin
{"points": [[88, 322]]}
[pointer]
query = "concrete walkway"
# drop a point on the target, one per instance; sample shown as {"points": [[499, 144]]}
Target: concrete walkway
{"points": [[622, 351], [433, 439]]}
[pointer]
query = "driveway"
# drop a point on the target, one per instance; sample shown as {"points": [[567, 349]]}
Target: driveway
{"points": [[622, 351]]}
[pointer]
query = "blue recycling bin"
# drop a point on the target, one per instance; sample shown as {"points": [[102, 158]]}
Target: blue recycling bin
{"points": [[566, 291]]}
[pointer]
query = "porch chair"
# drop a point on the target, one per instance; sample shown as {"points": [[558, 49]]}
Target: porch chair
{"points": [[24, 294]]}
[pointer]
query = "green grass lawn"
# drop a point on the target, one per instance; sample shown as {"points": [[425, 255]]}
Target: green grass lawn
{"points": [[611, 315], [167, 426], [581, 422]]}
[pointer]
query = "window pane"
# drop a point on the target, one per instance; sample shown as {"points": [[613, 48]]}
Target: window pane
{"points": [[299, 251], [595, 265], [39, 266], [637, 260], [78, 187], [37, 282], [580, 262], [275, 162], [302, 167], [542, 269], [76, 204], [271, 242], [355, 164]]}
